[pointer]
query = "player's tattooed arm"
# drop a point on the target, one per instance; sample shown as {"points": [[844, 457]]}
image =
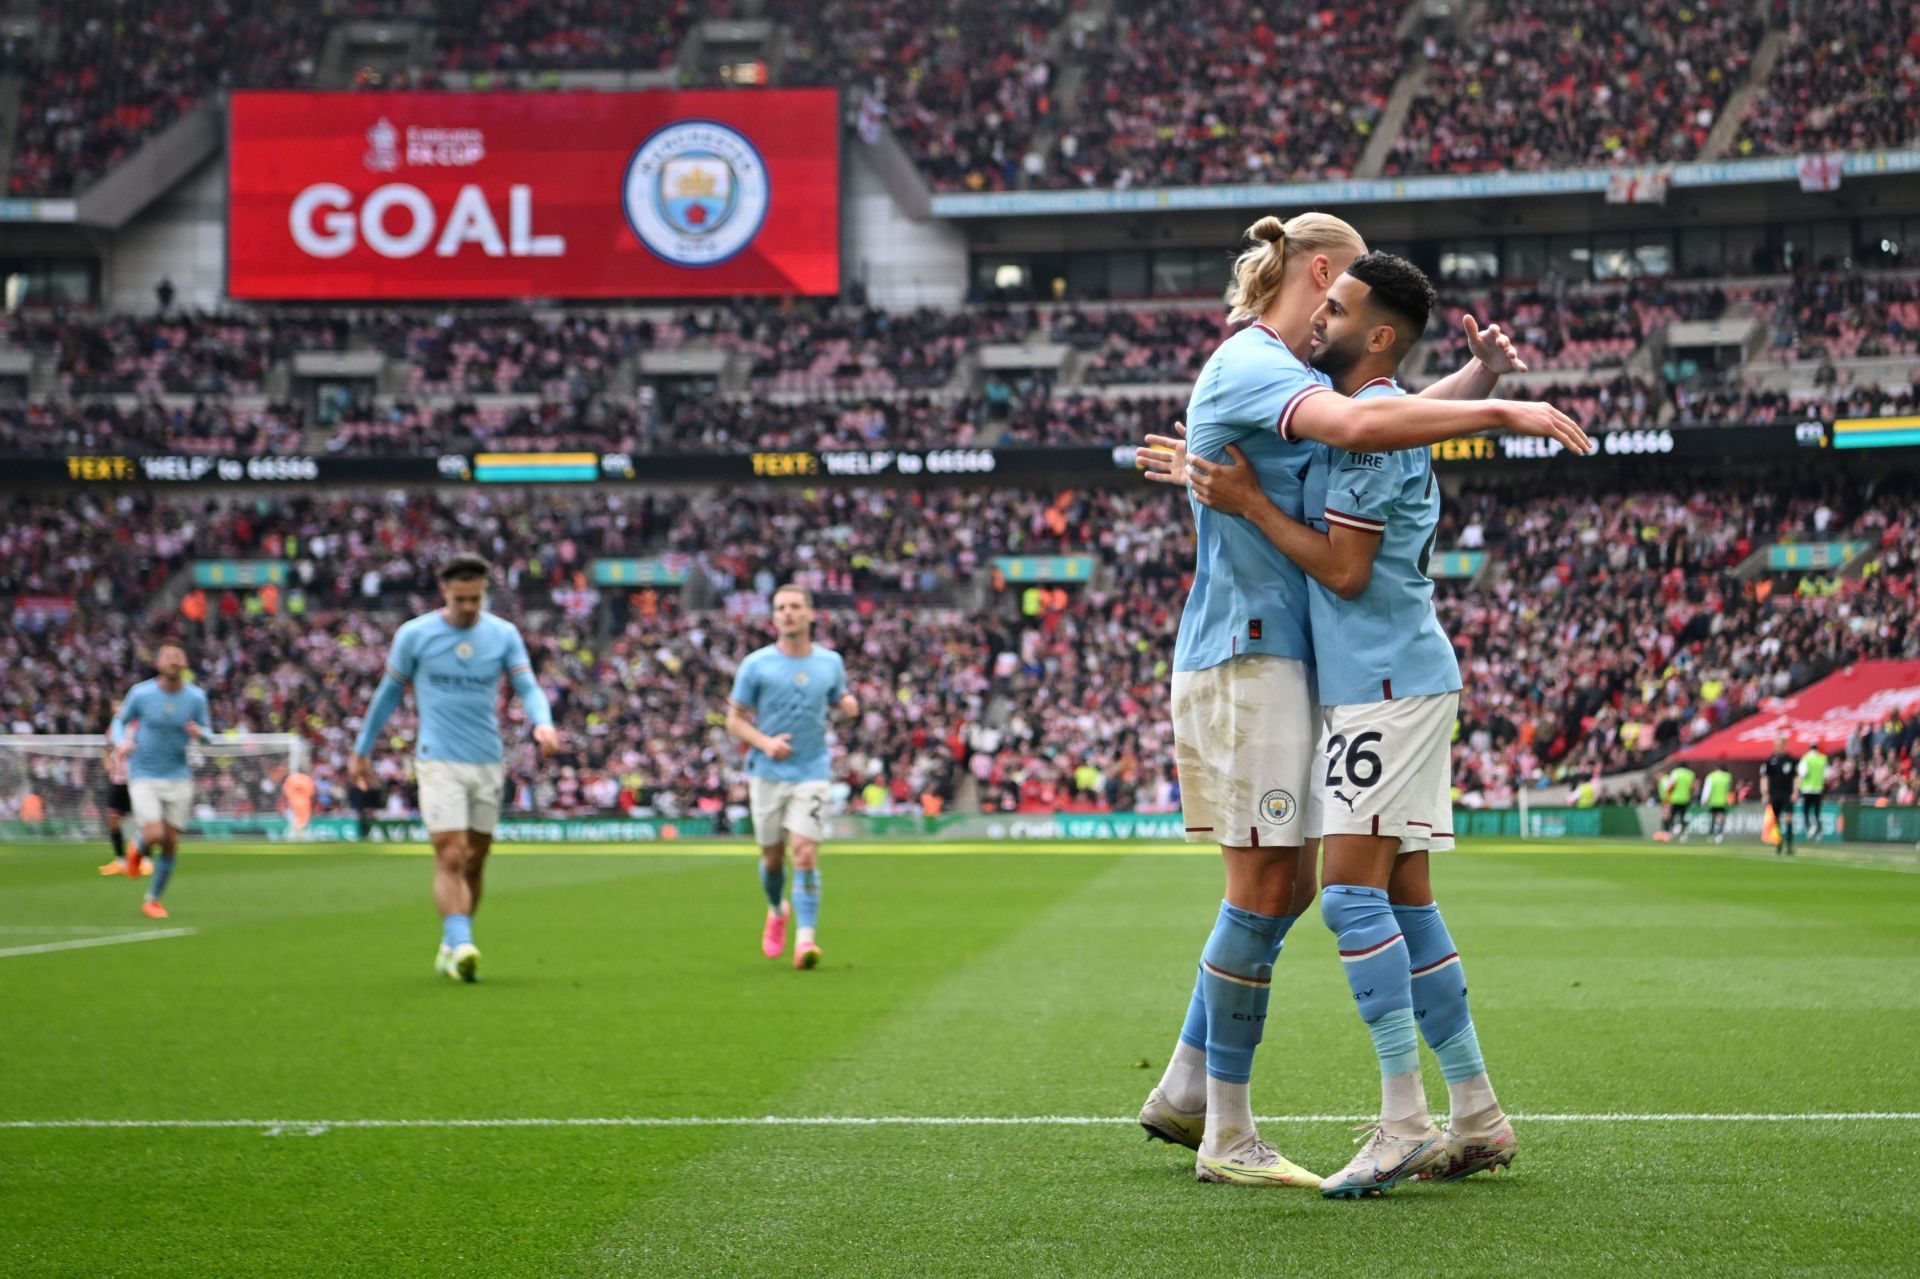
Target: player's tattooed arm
{"points": [[1341, 559]]}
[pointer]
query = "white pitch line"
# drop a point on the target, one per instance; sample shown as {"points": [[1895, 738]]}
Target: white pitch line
{"points": [[315, 1126], [84, 942]]}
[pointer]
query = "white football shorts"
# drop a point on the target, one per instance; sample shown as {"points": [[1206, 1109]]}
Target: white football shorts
{"points": [[456, 796], [169, 801], [1243, 736], [1386, 768], [781, 809]]}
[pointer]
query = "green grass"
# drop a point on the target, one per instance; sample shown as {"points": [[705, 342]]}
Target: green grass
{"points": [[1605, 980]]}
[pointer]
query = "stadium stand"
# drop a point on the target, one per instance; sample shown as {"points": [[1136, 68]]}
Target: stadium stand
{"points": [[1046, 95], [830, 375], [1289, 93], [1846, 81], [1613, 631], [1561, 84]]}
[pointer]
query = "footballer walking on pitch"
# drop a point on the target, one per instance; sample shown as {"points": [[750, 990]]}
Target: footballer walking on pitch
{"points": [[150, 733], [454, 658], [779, 705], [1389, 689], [1243, 713]]}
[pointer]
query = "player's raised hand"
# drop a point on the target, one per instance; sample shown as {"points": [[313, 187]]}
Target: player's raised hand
{"points": [[1165, 458], [1533, 417], [780, 745], [548, 738], [1491, 347], [1229, 487]]}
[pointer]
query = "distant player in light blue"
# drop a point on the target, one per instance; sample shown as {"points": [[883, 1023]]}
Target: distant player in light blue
{"points": [[455, 658], [150, 733], [781, 698], [1244, 725], [1389, 690]]}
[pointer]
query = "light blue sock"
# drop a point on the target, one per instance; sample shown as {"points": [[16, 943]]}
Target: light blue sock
{"points": [[162, 872], [1236, 980], [1439, 983], [1193, 1032], [1440, 1003], [1375, 958], [1460, 1058], [806, 898], [456, 930], [773, 883]]}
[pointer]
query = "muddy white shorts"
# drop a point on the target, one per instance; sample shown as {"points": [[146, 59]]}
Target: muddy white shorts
{"points": [[1243, 736], [456, 796], [781, 809], [169, 801], [1386, 768]]}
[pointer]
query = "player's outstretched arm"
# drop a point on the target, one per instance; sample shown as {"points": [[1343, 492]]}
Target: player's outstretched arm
{"points": [[386, 700], [741, 728], [1492, 354], [1388, 423], [533, 699], [1341, 559]]}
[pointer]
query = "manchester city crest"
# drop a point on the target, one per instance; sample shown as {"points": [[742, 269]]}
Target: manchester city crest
{"points": [[696, 193], [463, 651], [800, 679], [1277, 807]]}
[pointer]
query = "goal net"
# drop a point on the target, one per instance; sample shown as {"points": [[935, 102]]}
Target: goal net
{"points": [[55, 787]]}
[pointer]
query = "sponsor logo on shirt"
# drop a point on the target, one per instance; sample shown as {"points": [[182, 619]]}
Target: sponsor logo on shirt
{"points": [[1364, 462]]}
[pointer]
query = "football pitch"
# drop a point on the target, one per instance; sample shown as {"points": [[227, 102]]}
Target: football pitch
{"points": [[1713, 1060]]}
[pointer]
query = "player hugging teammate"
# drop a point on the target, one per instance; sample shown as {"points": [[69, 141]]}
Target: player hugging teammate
{"points": [[1307, 460]]}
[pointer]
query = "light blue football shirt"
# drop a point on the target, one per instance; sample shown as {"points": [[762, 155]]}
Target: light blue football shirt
{"points": [[160, 738], [791, 695], [1387, 643], [1247, 597], [456, 672]]}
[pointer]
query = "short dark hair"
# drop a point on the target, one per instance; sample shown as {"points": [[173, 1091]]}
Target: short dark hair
{"points": [[1399, 288], [463, 568], [794, 588]]}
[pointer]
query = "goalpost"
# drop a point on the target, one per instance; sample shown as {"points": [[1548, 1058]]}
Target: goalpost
{"points": [[55, 786]]}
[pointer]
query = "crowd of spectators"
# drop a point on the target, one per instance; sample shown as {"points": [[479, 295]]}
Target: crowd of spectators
{"points": [[1848, 79], [1611, 632], [966, 87], [639, 689], [1540, 84], [1617, 631], [112, 73], [1840, 316], [831, 375], [1178, 95], [38, 428], [1877, 762], [564, 35], [1168, 95]]}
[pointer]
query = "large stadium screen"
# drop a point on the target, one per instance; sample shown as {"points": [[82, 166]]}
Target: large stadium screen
{"points": [[517, 195]]}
